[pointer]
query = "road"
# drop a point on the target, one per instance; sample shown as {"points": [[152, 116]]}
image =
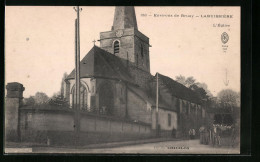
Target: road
{"points": [[168, 147]]}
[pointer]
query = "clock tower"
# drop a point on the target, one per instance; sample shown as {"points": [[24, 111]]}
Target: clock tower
{"points": [[125, 41]]}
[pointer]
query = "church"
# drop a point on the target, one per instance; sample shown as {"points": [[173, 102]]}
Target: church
{"points": [[116, 81]]}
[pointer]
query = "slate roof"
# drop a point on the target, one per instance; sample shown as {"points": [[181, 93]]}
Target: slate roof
{"points": [[178, 90], [100, 63]]}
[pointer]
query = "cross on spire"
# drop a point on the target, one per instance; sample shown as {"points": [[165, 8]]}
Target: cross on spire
{"points": [[94, 41]]}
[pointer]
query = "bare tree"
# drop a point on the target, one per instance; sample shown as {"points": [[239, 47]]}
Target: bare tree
{"points": [[40, 98], [181, 79], [200, 88], [189, 81], [205, 87], [228, 98], [185, 81], [29, 101]]}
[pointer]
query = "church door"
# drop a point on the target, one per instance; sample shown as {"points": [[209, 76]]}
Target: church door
{"points": [[106, 100]]}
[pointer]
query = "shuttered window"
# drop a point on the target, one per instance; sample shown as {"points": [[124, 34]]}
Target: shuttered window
{"points": [[116, 47]]}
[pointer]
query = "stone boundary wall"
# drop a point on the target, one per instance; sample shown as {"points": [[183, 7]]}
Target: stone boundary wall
{"points": [[57, 127]]}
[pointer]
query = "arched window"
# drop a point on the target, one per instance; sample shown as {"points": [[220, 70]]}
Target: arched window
{"points": [[116, 47], [83, 97]]}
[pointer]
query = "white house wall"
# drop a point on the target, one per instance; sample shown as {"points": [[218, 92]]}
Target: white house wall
{"points": [[163, 119]]}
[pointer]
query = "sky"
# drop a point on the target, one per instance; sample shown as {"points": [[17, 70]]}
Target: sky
{"points": [[39, 43]]}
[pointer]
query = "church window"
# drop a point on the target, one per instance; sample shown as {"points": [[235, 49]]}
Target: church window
{"points": [[169, 120], [83, 97], [116, 47]]}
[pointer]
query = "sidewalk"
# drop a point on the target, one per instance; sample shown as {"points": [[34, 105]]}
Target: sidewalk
{"points": [[127, 143], [149, 146], [91, 146]]}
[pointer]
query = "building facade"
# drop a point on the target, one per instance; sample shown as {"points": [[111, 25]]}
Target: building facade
{"points": [[116, 80]]}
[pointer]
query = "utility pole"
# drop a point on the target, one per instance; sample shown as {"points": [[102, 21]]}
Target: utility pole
{"points": [[157, 105], [77, 76]]}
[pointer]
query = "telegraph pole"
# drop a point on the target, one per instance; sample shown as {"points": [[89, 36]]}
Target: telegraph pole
{"points": [[77, 76], [157, 105]]}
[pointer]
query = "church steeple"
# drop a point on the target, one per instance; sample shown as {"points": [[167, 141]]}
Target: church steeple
{"points": [[125, 41], [124, 18]]}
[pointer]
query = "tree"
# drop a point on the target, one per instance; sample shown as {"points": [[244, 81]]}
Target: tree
{"points": [[40, 98], [205, 87], [228, 98], [201, 93], [29, 101], [181, 79], [185, 81], [55, 95], [189, 81], [199, 88]]}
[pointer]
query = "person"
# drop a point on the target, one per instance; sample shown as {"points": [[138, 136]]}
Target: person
{"points": [[206, 136], [193, 133], [233, 136], [218, 136], [216, 132], [103, 110], [190, 133], [201, 130], [174, 133]]}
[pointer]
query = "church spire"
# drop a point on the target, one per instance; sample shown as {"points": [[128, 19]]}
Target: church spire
{"points": [[124, 18]]}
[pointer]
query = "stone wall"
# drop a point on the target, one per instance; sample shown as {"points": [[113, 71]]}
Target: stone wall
{"points": [[119, 95], [57, 126], [142, 51], [137, 108], [126, 43], [141, 77]]}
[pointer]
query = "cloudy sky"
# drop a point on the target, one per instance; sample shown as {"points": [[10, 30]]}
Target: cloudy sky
{"points": [[39, 43]]}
